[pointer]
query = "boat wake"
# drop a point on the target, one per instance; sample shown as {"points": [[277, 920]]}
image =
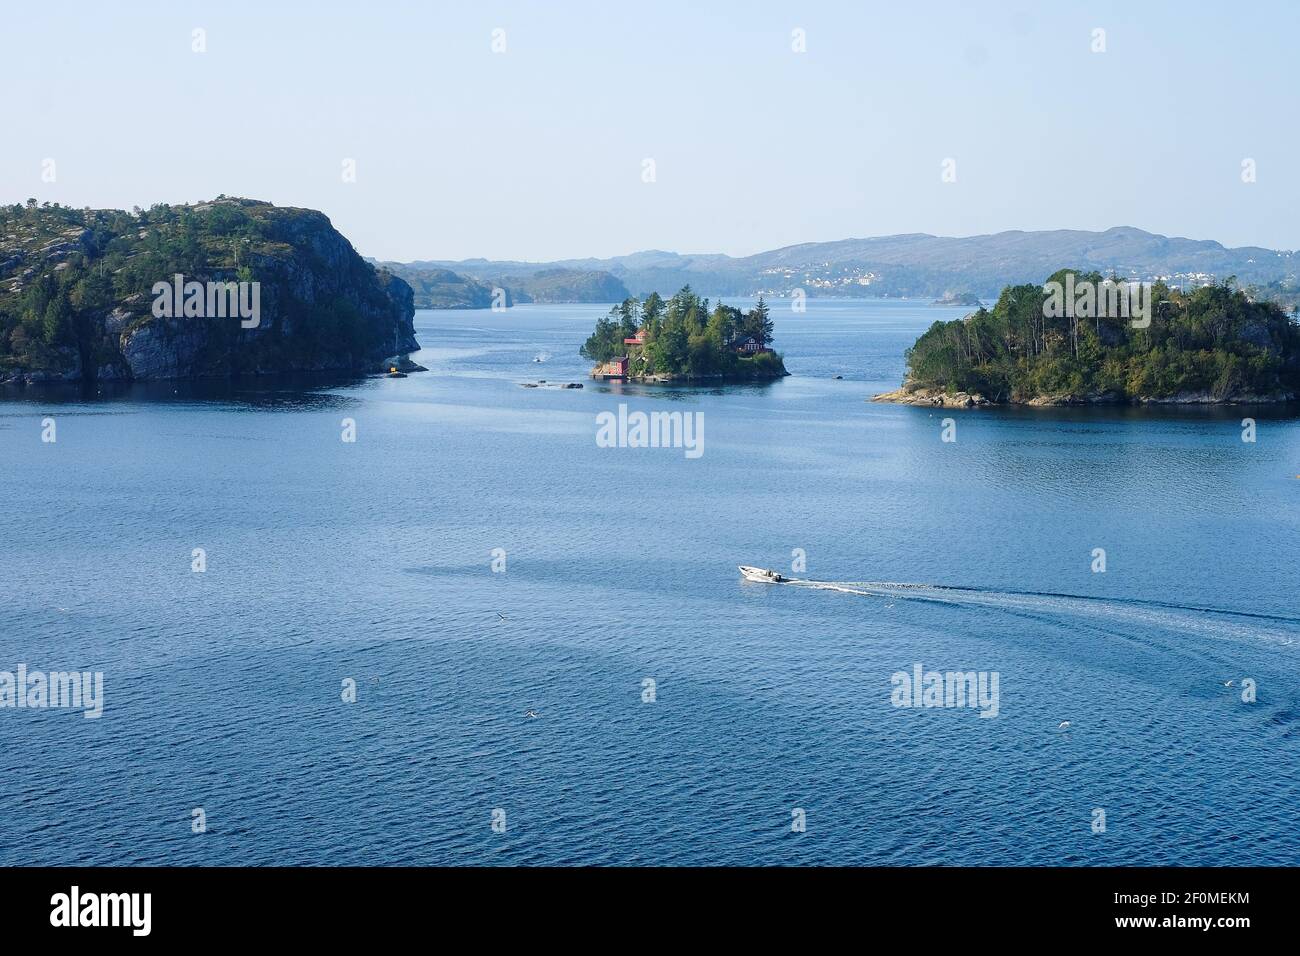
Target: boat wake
{"points": [[1208, 621]]}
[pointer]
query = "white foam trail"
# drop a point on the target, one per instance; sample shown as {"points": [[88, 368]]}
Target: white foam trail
{"points": [[1207, 622]]}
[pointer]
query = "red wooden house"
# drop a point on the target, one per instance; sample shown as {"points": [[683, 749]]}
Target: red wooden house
{"points": [[611, 370]]}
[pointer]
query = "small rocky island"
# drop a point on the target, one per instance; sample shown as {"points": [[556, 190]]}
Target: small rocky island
{"points": [[1081, 339], [959, 298], [682, 340], [80, 294]]}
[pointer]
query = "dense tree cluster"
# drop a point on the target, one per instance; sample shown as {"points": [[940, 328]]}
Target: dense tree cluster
{"points": [[1215, 339], [62, 270], [119, 254], [684, 336]]}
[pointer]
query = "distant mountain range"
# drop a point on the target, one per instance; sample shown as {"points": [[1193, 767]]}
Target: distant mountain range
{"points": [[905, 265], [438, 287], [443, 289]]}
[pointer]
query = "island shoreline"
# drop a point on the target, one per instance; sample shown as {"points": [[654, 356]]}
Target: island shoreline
{"points": [[938, 398]]}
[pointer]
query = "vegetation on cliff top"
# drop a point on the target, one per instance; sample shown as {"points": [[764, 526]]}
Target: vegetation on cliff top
{"points": [[1214, 341], [683, 337], [65, 272]]}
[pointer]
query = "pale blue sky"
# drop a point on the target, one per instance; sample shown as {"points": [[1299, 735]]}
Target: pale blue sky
{"points": [[537, 153]]}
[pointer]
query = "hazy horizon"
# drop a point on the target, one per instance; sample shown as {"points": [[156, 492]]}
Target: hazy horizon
{"points": [[804, 242], [537, 152]]}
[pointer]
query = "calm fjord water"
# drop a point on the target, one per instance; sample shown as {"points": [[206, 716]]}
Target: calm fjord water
{"points": [[328, 560]]}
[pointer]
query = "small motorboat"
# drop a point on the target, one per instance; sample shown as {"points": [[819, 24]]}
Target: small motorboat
{"points": [[761, 575]]}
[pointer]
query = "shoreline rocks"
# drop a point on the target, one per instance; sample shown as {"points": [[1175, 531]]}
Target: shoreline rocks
{"points": [[925, 396], [716, 379], [911, 395]]}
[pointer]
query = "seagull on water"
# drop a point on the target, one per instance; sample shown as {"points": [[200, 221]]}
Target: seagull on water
{"points": [[1229, 683], [530, 713], [1062, 725]]}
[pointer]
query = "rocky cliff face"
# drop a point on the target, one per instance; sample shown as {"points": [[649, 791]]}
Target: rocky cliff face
{"points": [[79, 294]]}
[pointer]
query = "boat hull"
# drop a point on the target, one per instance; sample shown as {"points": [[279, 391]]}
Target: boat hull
{"points": [[760, 575]]}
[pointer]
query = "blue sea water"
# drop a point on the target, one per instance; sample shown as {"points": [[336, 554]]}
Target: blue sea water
{"points": [[372, 561]]}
